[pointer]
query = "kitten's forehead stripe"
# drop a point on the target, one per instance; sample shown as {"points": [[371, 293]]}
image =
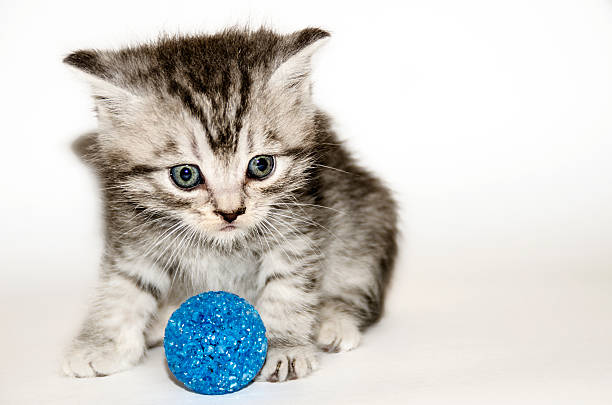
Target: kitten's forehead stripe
{"points": [[250, 144], [227, 118], [194, 146], [141, 170], [169, 148], [245, 90], [185, 95]]}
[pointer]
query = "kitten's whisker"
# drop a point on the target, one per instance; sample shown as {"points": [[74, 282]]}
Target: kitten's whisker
{"points": [[311, 205], [265, 223], [334, 168], [256, 233], [176, 247], [183, 229], [148, 245], [158, 255], [301, 208], [115, 187], [158, 239], [267, 232], [142, 225], [293, 249], [315, 223], [300, 235], [165, 235], [184, 243], [149, 211], [260, 229]]}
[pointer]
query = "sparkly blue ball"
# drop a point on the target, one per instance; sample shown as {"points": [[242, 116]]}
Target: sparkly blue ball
{"points": [[215, 343]]}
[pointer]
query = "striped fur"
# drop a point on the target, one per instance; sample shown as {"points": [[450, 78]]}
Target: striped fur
{"points": [[315, 244]]}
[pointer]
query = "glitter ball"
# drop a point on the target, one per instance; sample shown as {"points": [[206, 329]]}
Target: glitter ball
{"points": [[215, 343]]}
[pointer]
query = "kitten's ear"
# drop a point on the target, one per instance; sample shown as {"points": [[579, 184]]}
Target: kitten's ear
{"points": [[294, 70], [89, 61], [95, 69]]}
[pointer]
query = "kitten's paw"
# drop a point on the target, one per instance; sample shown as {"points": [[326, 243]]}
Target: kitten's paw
{"points": [[288, 364], [338, 335], [83, 361]]}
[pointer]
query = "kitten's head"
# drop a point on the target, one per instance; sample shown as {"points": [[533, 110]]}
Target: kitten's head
{"points": [[211, 130]]}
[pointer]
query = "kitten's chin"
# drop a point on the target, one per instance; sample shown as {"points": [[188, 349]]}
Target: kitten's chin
{"points": [[228, 233]]}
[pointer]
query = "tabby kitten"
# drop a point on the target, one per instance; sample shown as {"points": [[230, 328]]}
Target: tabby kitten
{"points": [[219, 173]]}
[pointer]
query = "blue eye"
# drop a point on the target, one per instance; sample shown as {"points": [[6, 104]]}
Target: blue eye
{"points": [[260, 166], [186, 176]]}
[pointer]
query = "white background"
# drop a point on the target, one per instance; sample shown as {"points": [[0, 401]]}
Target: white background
{"points": [[492, 122]]}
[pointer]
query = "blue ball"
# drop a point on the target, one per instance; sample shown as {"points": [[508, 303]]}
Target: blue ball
{"points": [[215, 343]]}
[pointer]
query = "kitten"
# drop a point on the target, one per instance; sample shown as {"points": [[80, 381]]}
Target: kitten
{"points": [[219, 173]]}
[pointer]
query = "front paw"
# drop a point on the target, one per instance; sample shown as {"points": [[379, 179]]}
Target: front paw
{"points": [[290, 363], [91, 360], [339, 334]]}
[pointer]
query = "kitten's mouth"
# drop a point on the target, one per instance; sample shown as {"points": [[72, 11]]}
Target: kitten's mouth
{"points": [[228, 228]]}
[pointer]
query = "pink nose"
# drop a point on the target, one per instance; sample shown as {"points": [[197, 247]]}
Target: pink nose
{"points": [[230, 217]]}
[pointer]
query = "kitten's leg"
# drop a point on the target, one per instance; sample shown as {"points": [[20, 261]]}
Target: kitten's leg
{"points": [[111, 338], [154, 333], [352, 299], [287, 305], [339, 330]]}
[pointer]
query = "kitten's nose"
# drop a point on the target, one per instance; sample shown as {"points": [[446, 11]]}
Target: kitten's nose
{"points": [[231, 216]]}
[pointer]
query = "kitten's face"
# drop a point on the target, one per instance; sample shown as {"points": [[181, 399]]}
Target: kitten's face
{"points": [[225, 192], [216, 131]]}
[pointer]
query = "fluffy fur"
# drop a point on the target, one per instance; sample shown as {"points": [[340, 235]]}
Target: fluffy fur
{"points": [[314, 248]]}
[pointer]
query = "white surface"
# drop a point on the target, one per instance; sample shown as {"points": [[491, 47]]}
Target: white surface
{"points": [[491, 120]]}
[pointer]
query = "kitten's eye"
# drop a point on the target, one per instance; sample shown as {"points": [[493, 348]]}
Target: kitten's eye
{"points": [[186, 176], [260, 167]]}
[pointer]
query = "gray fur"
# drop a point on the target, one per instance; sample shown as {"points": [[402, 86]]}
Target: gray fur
{"points": [[313, 245]]}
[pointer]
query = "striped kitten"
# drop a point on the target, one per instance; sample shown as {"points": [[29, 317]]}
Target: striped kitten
{"points": [[219, 173]]}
